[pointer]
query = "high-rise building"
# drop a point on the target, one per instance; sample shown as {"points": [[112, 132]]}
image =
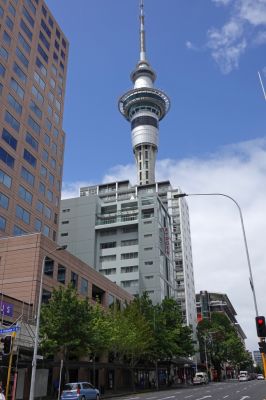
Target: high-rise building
{"points": [[138, 236], [209, 302], [33, 65]]}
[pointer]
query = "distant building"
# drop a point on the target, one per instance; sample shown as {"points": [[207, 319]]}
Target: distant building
{"points": [[208, 303], [257, 358], [33, 67]]}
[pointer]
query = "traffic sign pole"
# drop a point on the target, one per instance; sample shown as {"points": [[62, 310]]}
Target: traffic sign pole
{"points": [[10, 364]]}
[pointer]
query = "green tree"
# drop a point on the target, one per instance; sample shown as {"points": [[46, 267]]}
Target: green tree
{"points": [[65, 322], [219, 339]]}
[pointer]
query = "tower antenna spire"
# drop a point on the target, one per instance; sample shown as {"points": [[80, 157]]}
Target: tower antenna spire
{"points": [[142, 33]]}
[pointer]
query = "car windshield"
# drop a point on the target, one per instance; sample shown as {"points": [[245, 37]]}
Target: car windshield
{"points": [[71, 386], [199, 375]]}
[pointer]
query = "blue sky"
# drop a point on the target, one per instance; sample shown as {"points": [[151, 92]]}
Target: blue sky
{"points": [[206, 54]]}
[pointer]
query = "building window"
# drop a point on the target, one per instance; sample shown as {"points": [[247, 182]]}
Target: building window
{"points": [[2, 223], [84, 286], [111, 257], [148, 263], [61, 274], [132, 268], [41, 66], [7, 158], [74, 279], [12, 121], [22, 58], [9, 139], [22, 214], [24, 43], [38, 225], [25, 194], [42, 53], [27, 176], [127, 256], [130, 242], [34, 125], [130, 283], [25, 29], [37, 111], [20, 74], [47, 212], [148, 248], [108, 245], [17, 231], [38, 96], [48, 267], [29, 158], [46, 295], [2, 70], [4, 201], [31, 141], [44, 40], [64, 222], [6, 38], [4, 53], [39, 206], [12, 10], [64, 234], [5, 179], [39, 80], [14, 104], [45, 28], [42, 188], [31, 6], [17, 88], [28, 17], [46, 230], [9, 23]]}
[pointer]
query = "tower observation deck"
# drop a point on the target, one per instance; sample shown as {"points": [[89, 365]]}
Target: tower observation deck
{"points": [[144, 106]]}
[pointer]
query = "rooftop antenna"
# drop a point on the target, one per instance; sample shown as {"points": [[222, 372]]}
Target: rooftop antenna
{"points": [[262, 86], [142, 33]]}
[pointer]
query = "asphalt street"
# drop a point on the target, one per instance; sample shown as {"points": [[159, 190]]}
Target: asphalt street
{"points": [[233, 390]]}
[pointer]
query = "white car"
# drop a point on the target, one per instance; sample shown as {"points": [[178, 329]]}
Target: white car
{"points": [[200, 378], [260, 377], [243, 378]]}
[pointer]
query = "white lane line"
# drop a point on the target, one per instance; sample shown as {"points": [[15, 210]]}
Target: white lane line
{"points": [[150, 398], [226, 396], [132, 398], [202, 398], [178, 392], [187, 397], [245, 397], [169, 397]]}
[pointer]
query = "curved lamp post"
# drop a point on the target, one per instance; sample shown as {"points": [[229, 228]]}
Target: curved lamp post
{"points": [[244, 237], [36, 339]]}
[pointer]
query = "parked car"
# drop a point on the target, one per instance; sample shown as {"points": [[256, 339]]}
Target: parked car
{"points": [[80, 391], [200, 378], [260, 377]]}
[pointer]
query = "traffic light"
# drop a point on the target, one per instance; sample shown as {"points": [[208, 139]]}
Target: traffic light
{"points": [[7, 340], [261, 327], [262, 347]]}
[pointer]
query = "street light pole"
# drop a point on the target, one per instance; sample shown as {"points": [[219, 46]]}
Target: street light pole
{"points": [[244, 236], [36, 339]]}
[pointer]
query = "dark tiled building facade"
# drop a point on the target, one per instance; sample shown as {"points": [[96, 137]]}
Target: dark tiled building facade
{"points": [[33, 65]]}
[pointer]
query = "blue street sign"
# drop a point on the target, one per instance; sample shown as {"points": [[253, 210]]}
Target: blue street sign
{"points": [[10, 330]]}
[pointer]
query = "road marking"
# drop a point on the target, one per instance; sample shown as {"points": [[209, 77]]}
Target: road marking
{"points": [[187, 397], [245, 397], [131, 398], [169, 397], [150, 398], [178, 392], [202, 398], [226, 396]]}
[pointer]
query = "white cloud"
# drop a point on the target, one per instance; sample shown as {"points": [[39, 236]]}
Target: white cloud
{"points": [[242, 30], [222, 2]]}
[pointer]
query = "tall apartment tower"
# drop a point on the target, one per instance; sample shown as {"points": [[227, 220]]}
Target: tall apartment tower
{"points": [[33, 65]]}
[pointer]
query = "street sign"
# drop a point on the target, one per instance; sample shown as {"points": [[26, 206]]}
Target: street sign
{"points": [[9, 330]]}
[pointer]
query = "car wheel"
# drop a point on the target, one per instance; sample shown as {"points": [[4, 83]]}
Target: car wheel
{"points": [[97, 397], [83, 398]]}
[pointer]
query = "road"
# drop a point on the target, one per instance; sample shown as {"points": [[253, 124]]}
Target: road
{"points": [[233, 390]]}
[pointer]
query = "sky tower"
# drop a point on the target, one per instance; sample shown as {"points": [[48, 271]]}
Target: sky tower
{"points": [[144, 106]]}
